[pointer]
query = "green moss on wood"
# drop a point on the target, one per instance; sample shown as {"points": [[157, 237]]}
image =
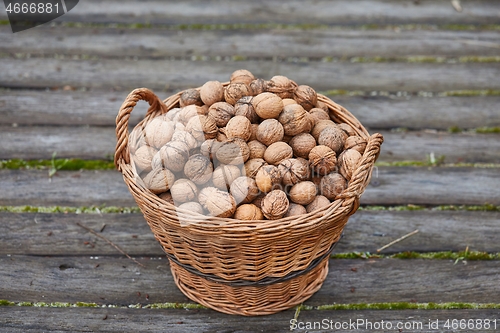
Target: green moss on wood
{"points": [[72, 164], [174, 306]]}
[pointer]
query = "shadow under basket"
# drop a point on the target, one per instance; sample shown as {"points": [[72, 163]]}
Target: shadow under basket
{"points": [[244, 267]]}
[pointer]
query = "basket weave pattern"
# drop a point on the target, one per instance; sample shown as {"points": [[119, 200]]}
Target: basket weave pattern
{"points": [[234, 250]]}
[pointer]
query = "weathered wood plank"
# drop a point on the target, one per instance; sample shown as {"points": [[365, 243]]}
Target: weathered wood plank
{"points": [[107, 74], [58, 234], [98, 143], [293, 12], [117, 280], [31, 320], [285, 43], [22, 107], [391, 186]]}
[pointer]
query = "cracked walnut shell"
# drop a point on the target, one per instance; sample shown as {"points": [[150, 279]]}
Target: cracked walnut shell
{"points": [[294, 170], [235, 91], [306, 97]]}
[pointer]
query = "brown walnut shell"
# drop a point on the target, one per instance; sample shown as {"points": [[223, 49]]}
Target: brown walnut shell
{"points": [[239, 127], [320, 126], [294, 170], [318, 114], [244, 107], [235, 91], [190, 97], [242, 76], [183, 190], [281, 86], [202, 128], [302, 144], [159, 131], [323, 160], [212, 92], [306, 97], [355, 142], [185, 137], [191, 207], [270, 131], [159, 180], [268, 178], [258, 86], [295, 210], [332, 137], [216, 202], [224, 175], [257, 149], [198, 169], [277, 152], [143, 158], [348, 162], [252, 166], [233, 151], [319, 202], [267, 105], [248, 212], [295, 120], [275, 205], [221, 112], [172, 156], [244, 189], [332, 185], [303, 193]]}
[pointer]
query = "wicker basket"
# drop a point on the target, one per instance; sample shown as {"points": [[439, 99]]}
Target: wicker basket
{"points": [[245, 267]]}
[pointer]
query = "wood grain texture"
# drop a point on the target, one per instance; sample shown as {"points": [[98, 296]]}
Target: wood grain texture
{"points": [[119, 74], [293, 12], [22, 107], [99, 143], [117, 280], [391, 186], [285, 43], [59, 234], [31, 320]]}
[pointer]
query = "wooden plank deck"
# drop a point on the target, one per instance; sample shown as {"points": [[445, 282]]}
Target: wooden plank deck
{"points": [[415, 71]]}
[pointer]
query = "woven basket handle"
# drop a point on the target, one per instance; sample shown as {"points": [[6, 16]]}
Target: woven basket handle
{"points": [[362, 174], [155, 105]]}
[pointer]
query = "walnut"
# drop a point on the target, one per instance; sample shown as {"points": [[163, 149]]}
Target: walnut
{"points": [[252, 166], [183, 190], [320, 126], [303, 193], [248, 212], [239, 127], [188, 112], [199, 169], [212, 92], [268, 178], [318, 114], [242, 76], [277, 152], [221, 112], [348, 162], [267, 105], [319, 202], [191, 207], [244, 189], [275, 205], [166, 196], [332, 137], [233, 151], [270, 131], [143, 158], [253, 135], [185, 137], [257, 149], [295, 120], [302, 144], [159, 180], [235, 91], [347, 129], [258, 86], [159, 131], [202, 128], [281, 86], [294, 170], [323, 160], [218, 203], [179, 127], [306, 97], [244, 107], [295, 210], [224, 175], [288, 101], [172, 156], [190, 97], [332, 185], [355, 142]]}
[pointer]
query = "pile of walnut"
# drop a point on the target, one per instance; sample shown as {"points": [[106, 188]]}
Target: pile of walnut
{"points": [[252, 150]]}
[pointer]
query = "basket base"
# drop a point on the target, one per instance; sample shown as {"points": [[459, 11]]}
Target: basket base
{"points": [[253, 300]]}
